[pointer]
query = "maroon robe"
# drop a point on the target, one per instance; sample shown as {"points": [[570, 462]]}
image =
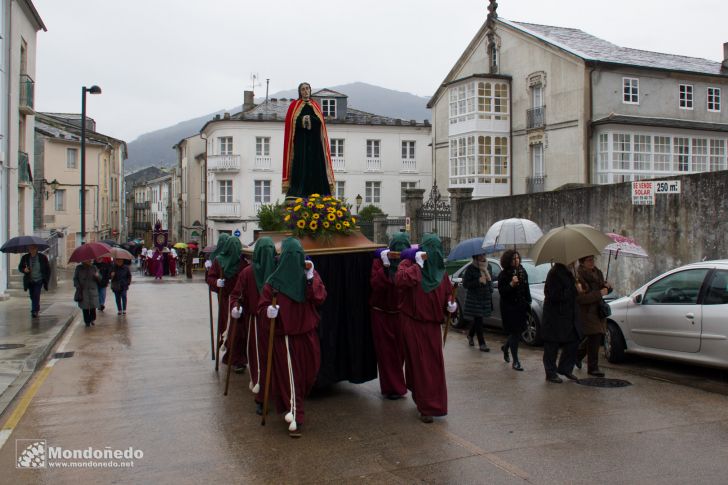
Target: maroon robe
{"points": [[422, 315], [223, 310], [157, 269], [296, 325], [253, 330], [172, 264], [387, 331]]}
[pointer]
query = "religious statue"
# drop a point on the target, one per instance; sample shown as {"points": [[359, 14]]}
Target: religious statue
{"points": [[307, 165]]}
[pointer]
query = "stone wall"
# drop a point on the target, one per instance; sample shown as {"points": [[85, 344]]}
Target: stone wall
{"points": [[678, 229]]}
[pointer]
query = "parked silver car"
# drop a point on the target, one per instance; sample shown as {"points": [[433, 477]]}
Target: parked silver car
{"points": [[680, 315], [536, 279]]}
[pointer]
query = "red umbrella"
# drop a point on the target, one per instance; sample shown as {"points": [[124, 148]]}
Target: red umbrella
{"points": [[88, 251], [209, 249]]}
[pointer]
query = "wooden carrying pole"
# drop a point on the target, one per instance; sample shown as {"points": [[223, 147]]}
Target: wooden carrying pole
{"points": [[449, 316], [269, 361], [233, 326], [217, 344], [212, 329]]}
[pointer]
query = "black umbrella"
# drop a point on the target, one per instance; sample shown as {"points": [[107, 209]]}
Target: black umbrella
{"points": [[111, 243], [20, 244]]}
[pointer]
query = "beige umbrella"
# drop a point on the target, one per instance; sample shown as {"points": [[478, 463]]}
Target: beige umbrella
{"points": [[120, 253], [568, 243]]}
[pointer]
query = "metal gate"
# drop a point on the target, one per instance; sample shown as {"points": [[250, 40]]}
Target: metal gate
{"points": [[434, 216]]}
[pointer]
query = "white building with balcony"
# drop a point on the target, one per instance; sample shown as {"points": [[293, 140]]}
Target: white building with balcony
{"points": [[373, 156]]}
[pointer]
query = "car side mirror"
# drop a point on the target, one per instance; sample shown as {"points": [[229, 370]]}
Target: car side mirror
{"points": [[637, 299]]}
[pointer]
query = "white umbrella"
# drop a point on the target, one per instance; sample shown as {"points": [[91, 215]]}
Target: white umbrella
{"points": [[512, 232]]}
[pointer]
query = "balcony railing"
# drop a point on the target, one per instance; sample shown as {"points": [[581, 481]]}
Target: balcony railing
{"points": [[262, 163], [142, 205], [374, 165], [24, 174], [409, 165], [223, 210], [223, 163], [339, 164], [535, 184], [535, 117], [27, 94]]}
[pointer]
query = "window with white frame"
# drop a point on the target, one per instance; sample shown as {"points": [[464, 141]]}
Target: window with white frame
{"points": [[340, 189], [225, 190], [373, 193], [604, 152], [373, 148], [482, 160], [262, 146], [681, 149], [337, 147], [328, 106], [262, 191], [714, 99], [621, 151], [699, 155], [717, 155], [663, 153], [225, 145], [60, 200], [537, 166], [484, 100], [537, 96], [630, 90], [404, 186], [686, 96], [71, 157], [408, 150], [642, 152]]}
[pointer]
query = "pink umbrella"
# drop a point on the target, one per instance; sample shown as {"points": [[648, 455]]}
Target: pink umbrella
{"points": [[119, 253], [626, 246]]}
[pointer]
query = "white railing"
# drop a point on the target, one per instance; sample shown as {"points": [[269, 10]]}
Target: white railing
{"points": [[223, 209], [263, 163], [374, 164], [256, 206], [223, 163], [338, 163], [409, 165]]}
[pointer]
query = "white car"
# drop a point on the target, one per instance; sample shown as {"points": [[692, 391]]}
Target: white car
{"points": [[680, 315]]}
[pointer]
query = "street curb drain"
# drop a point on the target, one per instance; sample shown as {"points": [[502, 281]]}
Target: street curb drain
{"points": [[63, 355], [603, 382]]}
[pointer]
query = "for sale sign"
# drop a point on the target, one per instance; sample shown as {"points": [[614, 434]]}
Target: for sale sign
{"points": [[667, 187], [643, 193]]}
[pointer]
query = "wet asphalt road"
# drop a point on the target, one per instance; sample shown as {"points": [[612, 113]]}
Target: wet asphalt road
{"points": [[147, 381]]}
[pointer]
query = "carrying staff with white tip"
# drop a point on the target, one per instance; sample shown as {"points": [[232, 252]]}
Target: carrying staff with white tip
{"points": [[296, 352]]}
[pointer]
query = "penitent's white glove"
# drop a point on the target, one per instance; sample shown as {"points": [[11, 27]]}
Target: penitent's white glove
{"points": [[309, 271], [418, 258], [236, 312], [273, 311], [221, 283], [385, 257], [452, 306], [208, 264]]}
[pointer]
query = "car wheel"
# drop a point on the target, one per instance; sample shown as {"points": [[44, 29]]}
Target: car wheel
{"points": [[457, 320], [614, 344], [532, 334]]}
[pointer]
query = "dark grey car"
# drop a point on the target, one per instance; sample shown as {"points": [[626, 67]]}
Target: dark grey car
{"points": [[536, 279]]}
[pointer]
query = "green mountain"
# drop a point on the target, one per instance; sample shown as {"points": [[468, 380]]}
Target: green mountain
{"points": [[155, 148]]}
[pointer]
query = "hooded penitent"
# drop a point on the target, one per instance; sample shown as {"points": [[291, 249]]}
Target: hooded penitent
{"points": [[434, 267], [399, 242], [220, 243], [264, 262], [229, 257], [289, 277]]}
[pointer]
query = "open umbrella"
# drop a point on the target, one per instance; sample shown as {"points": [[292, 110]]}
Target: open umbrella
{"points": [[92, 250], [471, 247], [20, 244], [111, 243], [567, 243], [624, 246], [180, 245], [512, 232], [209, 249], [119, 253]]}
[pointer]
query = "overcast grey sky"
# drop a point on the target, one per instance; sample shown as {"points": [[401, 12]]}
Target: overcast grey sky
{"points": [[160, 62]]}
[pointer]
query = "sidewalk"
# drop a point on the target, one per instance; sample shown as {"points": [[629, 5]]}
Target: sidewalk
{"points": [[25, 342]]}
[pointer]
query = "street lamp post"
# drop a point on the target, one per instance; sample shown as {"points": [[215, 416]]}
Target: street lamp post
{"points": [[93, 90], [358, 203]]}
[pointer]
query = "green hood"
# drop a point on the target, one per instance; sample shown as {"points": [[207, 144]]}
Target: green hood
{"points": [[399, 242], [220, 243], [229, 257], [290, 275], [434, 267], [264, 260]]}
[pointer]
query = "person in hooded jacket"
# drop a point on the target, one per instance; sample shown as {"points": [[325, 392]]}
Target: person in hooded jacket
{"points": [[296, 359], [478, 299]]}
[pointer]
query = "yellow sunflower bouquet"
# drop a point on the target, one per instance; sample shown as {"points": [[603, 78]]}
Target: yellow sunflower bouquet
{"points": [[318, 215]]}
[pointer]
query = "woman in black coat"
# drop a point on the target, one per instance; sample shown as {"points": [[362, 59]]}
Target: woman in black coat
{"points": [[560, 324], [478, 299], [515, 303]]}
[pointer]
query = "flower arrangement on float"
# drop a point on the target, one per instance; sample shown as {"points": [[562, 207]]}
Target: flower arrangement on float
{"points": [[316, 216]]}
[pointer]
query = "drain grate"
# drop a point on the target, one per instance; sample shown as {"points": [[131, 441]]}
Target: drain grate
{"points": [[11, 346], [63, 355], [603, 382]]}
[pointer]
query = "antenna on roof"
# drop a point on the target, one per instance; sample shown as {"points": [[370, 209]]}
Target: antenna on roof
{"points": [[267, 83], [254, 81]]}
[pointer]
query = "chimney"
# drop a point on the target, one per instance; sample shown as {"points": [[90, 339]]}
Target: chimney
{"points": [[725, 56], [248, 100]]}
